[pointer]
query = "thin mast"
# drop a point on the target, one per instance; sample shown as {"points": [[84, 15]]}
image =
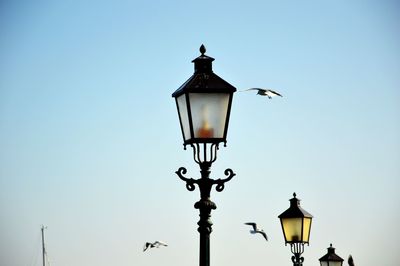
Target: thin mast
{"points": [[43, 248]]}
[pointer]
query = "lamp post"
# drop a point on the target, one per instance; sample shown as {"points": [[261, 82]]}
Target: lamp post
{"points": [[331, 259], [204, 102], [296, 227]]}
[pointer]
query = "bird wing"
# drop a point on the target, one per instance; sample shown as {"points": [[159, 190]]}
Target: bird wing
{"points": [[274, 92], [256, 89], [263, 234], [160, 243], [252, 224], [146, 246]]}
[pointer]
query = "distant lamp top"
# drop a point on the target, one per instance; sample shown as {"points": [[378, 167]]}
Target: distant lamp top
{"points": [[331, 258]]}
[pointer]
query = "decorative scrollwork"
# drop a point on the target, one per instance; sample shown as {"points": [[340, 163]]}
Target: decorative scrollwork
{"points": [[221, 182], [297, 260], [204, 152], [190, 182], [181, 171], [297, 248], [220, 187]]}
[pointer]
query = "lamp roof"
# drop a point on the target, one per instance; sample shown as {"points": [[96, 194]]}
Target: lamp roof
{"points": [[331, 255], [204, 80], [295, 211]]}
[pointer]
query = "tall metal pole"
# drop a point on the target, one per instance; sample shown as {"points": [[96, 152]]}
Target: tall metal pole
{"points": [[205, 205], [43, 247], [210, 94]]}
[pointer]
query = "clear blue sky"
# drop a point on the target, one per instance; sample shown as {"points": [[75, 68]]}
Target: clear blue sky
{"points": [[90, 140]]}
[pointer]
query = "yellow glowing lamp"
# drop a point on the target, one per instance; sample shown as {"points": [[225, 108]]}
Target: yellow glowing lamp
{"points": [[296, 223]]}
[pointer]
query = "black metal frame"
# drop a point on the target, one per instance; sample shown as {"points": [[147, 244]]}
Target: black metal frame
{"points": [[205, 183], [203, 80], [190, 120], [297, 249], [297, 246], [302, 236]]}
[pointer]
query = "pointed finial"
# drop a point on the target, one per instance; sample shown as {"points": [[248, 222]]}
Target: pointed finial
{"points": [[331, 244], [294, 194], [202, 49]]}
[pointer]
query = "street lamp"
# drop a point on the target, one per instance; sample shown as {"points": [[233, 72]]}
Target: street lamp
{"points": [[296, 227], [204, 103], [331, 259]]}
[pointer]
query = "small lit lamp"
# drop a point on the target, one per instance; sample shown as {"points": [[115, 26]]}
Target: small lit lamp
{"points": [[331, 259], [296, 227]]}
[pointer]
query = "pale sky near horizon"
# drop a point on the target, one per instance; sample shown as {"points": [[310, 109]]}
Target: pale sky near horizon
{"points": [[90, 139]]}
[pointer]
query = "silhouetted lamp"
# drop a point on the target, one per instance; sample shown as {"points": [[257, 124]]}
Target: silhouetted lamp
{"points": [[296, 227], [331, 258], [204, 104]]}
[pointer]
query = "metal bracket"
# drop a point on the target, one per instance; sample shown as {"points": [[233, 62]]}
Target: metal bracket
{"points": [[190, 182]]}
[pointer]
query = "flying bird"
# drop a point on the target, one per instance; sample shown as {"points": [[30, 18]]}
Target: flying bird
{"points": [[257, 230], [156, 244], [350, 261], [265, 92]]}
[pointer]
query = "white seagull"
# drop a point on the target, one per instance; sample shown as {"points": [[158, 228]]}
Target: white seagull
{"points": [[256, 230], [156, 244], [265, 92]]}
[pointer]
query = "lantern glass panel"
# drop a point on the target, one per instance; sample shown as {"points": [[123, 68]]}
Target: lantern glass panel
{"points": [[306, 229], [209, 112], [292, 229], [331, 263], [183, 114]]}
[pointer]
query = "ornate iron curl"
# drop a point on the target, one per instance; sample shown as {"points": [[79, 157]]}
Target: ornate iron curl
{"points": [[190, 182], [221, 182], [297, 261]]}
